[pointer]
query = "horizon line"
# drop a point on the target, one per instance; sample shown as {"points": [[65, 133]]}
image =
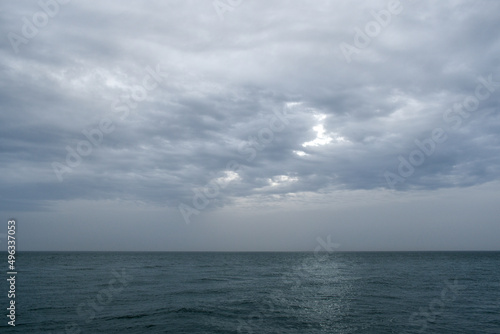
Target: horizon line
{"points": [[249, 251]]}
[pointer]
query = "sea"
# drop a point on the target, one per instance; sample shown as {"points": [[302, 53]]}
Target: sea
{"points": [[261, 292]]}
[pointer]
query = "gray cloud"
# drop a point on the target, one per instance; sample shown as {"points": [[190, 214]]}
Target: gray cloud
{"points": [[222, 83]]}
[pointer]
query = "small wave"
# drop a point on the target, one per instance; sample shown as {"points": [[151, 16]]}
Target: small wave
{"points": [[190, 310]]}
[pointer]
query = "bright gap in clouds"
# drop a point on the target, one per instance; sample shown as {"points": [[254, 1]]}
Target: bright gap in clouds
{"points": [[227, 178], [322, 138], [281, 180], [300, 153]]}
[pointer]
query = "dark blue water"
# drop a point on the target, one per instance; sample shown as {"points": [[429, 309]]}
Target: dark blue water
{"points": [[429, 292]]}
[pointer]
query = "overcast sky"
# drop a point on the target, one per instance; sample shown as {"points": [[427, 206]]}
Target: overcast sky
{"points": [[250, 125]]}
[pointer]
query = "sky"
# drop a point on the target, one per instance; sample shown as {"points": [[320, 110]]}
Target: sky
{"points": [[236, 125]]}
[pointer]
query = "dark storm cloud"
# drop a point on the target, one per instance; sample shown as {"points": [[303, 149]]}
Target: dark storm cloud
{"points": [[222, 82]]}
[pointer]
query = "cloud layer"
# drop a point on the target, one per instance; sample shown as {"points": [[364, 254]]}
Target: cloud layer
{"points": [[267, 87]]}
